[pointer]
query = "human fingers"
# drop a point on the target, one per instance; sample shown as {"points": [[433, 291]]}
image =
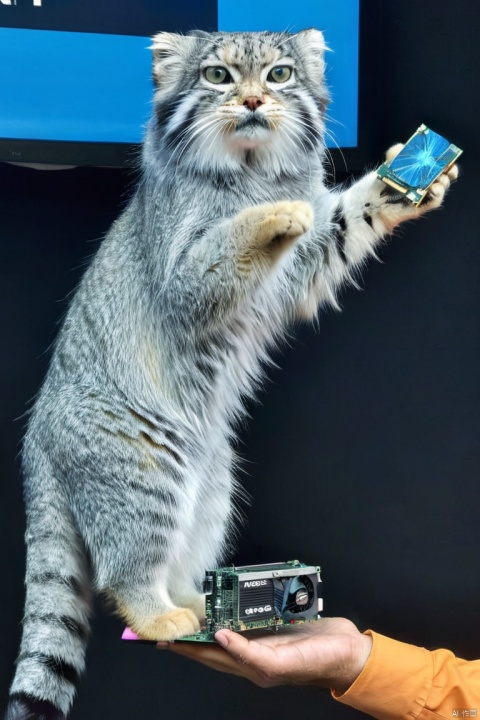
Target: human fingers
{"points": [[316, 629], [212, 656], [215, 657], [328, 653], [254, 659]]}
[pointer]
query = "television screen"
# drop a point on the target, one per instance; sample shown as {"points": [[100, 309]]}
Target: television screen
{"points": [[75, 78]]}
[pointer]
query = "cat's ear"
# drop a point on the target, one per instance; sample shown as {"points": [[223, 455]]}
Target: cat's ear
{"points": [[313, 41], [170, 52], [312, 46]]}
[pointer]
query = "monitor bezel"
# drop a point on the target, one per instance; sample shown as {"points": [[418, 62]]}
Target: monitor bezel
{"points": [[126, 155]]}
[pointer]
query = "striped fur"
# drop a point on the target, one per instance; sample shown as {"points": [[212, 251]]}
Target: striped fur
{"points": [[230, 236]]}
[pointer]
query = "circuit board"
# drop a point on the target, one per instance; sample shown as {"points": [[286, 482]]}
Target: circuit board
{"points": [[423, 158], [256, 597]]}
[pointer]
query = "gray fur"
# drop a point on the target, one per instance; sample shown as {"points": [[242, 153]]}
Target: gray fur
{"points": [[127, 460]]}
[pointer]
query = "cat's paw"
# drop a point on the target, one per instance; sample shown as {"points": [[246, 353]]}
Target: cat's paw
{"points": [[265, 232], [395, 208], [437, 191], [284, 221], [393, 151], [169, 626]]}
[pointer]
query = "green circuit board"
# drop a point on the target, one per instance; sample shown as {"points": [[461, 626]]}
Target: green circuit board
{"points": [[255, 597]]}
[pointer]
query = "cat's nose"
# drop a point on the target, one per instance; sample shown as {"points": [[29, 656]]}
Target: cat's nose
{"points": [[253, 102]]}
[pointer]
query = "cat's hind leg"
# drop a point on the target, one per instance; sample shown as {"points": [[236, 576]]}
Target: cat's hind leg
{"points": [[134, 509]]}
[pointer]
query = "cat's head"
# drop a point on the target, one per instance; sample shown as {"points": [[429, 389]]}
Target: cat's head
{"points": [[224, 98]]}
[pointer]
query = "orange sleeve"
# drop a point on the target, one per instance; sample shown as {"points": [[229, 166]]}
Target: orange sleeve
{"points": [[404, 681]]}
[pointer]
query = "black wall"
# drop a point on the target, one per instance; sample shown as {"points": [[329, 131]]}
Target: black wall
{"points": [[363, 455]]}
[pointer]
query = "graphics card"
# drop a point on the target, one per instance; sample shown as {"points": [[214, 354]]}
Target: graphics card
{"points": [[257, 596]]}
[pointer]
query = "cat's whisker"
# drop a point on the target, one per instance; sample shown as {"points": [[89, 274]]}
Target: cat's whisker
{"points": [[280, 43], [290, 121], [333, 121], [202, 126], [294, 139], [196, 123], [179, 141], [308, 125], [218, 128], [332, 138]]}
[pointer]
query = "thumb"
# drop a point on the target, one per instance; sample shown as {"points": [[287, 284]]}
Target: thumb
{"points": [[233, 643]]}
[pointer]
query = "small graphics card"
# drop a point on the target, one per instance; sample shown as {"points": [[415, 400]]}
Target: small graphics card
{"points": [[423, 158], [253, 597]]}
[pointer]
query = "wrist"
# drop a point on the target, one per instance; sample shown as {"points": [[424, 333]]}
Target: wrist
{"points": [[358, 648]]}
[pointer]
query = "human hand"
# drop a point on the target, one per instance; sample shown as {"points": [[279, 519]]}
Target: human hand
{"points": [[330, 652]]}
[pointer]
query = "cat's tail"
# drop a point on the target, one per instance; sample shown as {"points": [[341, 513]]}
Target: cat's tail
{"points": [[57, 608]]}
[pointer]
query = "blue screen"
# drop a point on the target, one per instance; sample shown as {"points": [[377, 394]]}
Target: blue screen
{"points": [[74, 86], [339, 22], [92, 87]]}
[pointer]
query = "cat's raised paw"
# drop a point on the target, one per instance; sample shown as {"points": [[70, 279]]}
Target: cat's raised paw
{"points": [[267, 231], [285, 221], [169, 626]]}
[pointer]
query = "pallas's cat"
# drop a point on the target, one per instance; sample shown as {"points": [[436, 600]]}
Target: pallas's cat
{"points": [[230, 236]]}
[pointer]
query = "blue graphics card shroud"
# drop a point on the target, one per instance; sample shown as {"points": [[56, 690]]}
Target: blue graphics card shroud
{"points": [[420, 162]]}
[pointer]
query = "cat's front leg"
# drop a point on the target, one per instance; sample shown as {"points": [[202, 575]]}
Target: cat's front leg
{"points": [[228, 261], [262, 233], [369, 210], [349, 226], [392, 208]]}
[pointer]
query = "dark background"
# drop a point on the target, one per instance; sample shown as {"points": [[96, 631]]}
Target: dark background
{"points": [[363, 455]]}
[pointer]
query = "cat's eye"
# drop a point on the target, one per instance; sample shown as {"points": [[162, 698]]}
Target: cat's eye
{"points": [[218, 75], [280, 74]]}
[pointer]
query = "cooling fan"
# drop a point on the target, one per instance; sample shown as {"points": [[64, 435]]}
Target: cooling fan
{"points": [[295, 597]]}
